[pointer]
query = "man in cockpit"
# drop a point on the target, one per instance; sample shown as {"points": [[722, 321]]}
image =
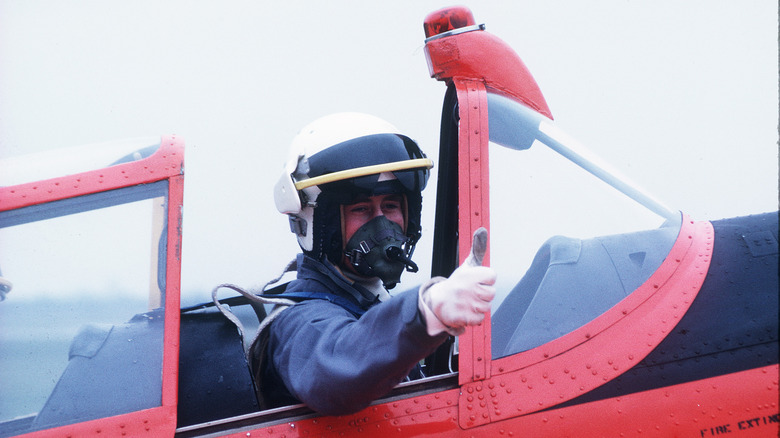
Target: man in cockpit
{"points": [[352, 191]]}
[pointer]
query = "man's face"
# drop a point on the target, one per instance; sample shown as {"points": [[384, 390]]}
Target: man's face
{"points": [[364, 209]]}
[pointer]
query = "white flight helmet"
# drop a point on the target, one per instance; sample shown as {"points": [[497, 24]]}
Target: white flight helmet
{"points": [[342, 154]]}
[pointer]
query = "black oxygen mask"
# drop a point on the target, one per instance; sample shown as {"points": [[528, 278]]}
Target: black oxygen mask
{"points": [[379, 248]]}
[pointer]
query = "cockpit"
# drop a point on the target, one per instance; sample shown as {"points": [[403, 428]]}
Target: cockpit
{"points": [[557, 215]]}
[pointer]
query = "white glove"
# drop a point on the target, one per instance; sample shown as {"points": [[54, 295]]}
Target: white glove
{"points": [[450, 305]]}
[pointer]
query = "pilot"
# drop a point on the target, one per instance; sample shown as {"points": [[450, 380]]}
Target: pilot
{"points": [[352, 191]]}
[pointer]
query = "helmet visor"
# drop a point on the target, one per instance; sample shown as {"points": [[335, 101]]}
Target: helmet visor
{"points": [[354, 166]]}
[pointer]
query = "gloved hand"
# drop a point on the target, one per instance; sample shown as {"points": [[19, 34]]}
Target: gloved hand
{"points": [[461, 300]]}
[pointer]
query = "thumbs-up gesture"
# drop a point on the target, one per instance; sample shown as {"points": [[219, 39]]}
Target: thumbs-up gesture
{"points": [[463, 299]]}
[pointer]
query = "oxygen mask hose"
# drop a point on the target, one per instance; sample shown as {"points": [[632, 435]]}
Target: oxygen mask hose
{"points": [[397, 254]]}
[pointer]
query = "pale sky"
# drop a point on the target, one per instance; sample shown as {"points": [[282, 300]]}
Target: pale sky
{"points": [[682, 96]]}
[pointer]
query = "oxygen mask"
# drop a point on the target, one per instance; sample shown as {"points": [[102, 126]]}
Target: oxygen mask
{"points": [[379, 248]]}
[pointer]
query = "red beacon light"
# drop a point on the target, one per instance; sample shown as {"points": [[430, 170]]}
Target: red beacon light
{"points": [[447, 20]]}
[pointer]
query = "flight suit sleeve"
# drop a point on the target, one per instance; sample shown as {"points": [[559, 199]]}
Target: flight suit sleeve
{"points": [[338, 364]]}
